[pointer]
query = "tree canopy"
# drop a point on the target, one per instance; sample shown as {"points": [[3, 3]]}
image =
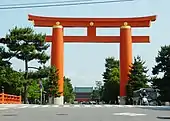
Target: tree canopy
{"points": [[10, 80], [26, 45], [97, 91], [111, 80], [137, 76], [68, 91], [162, 67]]}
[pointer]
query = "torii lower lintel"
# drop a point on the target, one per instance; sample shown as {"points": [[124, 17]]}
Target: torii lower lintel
{"points": [[100, 39]]}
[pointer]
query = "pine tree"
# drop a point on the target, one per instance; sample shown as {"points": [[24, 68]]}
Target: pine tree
{"points": [[4, 55], [10, 79], [26, 45], [163, 66], [137, 76], [53, 89], [68, 91], [111, 80]]}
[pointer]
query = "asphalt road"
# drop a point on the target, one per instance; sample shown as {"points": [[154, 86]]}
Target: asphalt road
{"points": [[82, 113]]}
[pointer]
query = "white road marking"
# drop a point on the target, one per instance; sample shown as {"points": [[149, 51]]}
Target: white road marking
{"points": [[108, 106], [66, 106], [129, 106], [20, 106], [87, 106], [35, 106], [23, 106], [45, 106], [76, 105], [98, 106], [3, 108], [128, 114], [9, 105], [55, 106], [120, 106]]}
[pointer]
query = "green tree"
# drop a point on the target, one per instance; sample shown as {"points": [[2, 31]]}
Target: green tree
{"points": [[33, 91], [40, 73], [137, 77], [97, 92], [4, 56], [49, 76], [68, 91], [11, 80], [52, 83], [163, 67], [111, 80], [26, 45]]}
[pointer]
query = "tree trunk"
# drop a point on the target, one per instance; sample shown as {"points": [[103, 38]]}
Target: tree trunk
{"points": [[26, 84]]}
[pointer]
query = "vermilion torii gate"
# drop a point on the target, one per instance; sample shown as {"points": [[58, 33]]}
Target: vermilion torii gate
{"points": [[125, 39]]}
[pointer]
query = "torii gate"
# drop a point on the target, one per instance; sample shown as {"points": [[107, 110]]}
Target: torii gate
{"points": [[125, 39]]}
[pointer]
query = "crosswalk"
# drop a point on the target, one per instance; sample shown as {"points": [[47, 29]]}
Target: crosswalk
{"points": [[22, 106]]}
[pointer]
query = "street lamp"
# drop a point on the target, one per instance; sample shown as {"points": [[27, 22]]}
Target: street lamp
{"points": [[2, 89]]}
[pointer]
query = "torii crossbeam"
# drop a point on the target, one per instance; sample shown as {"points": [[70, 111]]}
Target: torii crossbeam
{"points": [[125, 39]]}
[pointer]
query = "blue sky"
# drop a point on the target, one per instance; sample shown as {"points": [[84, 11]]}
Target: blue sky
{"points": [[84, 63]]}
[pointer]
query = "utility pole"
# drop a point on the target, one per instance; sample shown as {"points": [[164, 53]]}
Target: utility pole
{"points": [[44, 99], [99, 84], [41, 91]]}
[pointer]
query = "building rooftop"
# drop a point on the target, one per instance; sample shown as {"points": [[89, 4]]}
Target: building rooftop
{"points": [[83, 89]]}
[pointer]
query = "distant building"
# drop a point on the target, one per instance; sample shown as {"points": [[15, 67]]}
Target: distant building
{"points": [[83, 93]]}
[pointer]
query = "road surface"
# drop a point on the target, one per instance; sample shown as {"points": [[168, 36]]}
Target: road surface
{"points": [[82, 113]]}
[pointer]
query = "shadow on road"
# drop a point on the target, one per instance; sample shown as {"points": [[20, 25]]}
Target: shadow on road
{"points": [[10, 115], [61, 114], [160, 108], [163, 117]]}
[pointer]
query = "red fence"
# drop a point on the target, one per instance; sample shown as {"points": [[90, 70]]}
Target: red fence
{"points": [[9, 99]]}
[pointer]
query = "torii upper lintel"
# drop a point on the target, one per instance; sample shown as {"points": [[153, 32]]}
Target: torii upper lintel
{"points": [[41, 21]]}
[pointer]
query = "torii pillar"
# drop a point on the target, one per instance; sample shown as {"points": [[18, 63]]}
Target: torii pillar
{"points": [[57, 59], [125, 39], [125, 58]]}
